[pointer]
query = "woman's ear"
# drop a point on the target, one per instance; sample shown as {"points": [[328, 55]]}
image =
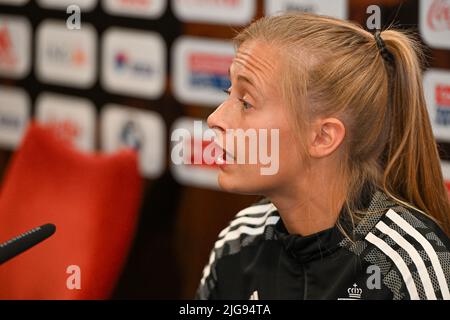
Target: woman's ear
{"points": [[326, 135]]}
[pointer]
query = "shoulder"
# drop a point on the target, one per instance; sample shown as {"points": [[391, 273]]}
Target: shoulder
{"points": [[246, 225], [413, 253], [244, 229]]}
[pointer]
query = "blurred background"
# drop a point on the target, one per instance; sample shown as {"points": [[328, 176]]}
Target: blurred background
{"points": [[110, 74]]}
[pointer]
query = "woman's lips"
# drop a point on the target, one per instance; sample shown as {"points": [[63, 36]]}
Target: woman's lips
{"points": [[223, 157]]}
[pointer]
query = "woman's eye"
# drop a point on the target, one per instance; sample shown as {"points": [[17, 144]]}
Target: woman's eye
{"points": [[245, 104]]}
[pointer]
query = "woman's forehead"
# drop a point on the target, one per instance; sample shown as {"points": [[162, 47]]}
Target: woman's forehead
{"points": [[255, 59]]}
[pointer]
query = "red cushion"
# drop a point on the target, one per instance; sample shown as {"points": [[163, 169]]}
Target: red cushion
{"points": [[93, 200]]}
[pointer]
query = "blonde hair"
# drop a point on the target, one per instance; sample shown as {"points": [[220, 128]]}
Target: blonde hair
{"points": [[333, 67]]}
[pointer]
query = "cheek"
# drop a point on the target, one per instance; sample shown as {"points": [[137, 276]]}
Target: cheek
{"points": [[290, 161], [278, 163]]}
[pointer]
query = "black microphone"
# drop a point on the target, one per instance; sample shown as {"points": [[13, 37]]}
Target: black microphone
{"points": [[25, 241]]}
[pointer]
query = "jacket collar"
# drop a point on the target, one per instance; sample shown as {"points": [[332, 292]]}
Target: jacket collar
{"points": [[325, 242]]}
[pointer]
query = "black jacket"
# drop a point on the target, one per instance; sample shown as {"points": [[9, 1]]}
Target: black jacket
{"points": [[396, 253]]}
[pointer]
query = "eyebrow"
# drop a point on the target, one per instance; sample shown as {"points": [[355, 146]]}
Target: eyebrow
{"points": [[244, 79]]}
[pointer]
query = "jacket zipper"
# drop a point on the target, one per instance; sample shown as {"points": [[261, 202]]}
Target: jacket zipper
{"points": [[305, 283]]}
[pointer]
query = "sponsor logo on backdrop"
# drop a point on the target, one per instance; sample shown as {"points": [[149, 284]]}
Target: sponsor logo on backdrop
{"points": [[135, 8], [134, 63], [195, 169], [86, 5], [207, 70], [237, 12], [201, 70], [131, 135], [445, 166], [15, 46], [437, 95], [73, 117], [334, 8], [141, 130], [14, 115], [442, 96], [14, 2], [66, 57], [434, 23]]}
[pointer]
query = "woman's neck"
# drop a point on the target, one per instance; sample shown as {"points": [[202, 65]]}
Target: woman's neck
{"points": [[310, 208], [308, 216]]}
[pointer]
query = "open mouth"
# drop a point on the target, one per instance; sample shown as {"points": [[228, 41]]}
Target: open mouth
{"points": [[222, 154]]}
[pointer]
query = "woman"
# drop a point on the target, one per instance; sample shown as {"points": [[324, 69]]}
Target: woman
{"points": [[358, 208]]}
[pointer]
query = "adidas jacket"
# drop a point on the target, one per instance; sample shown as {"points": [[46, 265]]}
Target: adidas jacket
{"points": [[397, 253]]}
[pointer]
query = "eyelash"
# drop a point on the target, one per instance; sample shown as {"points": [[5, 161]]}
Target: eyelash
{"points": [[245, 104]]}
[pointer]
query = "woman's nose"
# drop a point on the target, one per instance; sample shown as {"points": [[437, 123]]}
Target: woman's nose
{"points": [[216, 119]]}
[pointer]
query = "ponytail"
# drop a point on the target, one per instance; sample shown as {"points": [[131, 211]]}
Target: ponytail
{"points": [[412, 174]]}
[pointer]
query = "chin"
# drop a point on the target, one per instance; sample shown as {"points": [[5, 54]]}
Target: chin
{"points": [[238, 184], [226, 183]]}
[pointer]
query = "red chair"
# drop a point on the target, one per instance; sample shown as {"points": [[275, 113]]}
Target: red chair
{"points": [[92, 199]]}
